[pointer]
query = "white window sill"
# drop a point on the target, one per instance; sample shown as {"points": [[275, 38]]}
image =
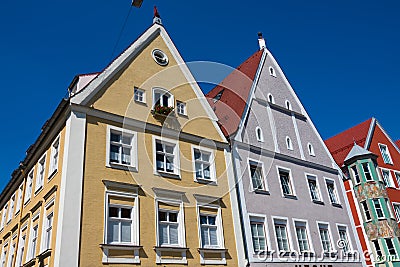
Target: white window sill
{"points": [[214, 261], [206, 181], [168, 175], [124, 167], [160, 260], [120, 246], [52, 174]]}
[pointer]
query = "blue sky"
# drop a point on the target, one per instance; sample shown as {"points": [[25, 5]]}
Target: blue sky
{"points": [[340, 56]]}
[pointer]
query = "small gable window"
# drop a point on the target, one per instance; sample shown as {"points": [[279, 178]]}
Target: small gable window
{"points": [[289, 143], [160, 57], [272, 71], [259, 134], [218, 96], [288, 106], [311, 149], [271, 99]]}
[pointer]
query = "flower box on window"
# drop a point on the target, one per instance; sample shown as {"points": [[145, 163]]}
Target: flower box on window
{"points": [[162, 110]]}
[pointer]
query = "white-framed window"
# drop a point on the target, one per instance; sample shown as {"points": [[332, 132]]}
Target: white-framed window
{"points": [[355, 174], [121, 218], [289, 144], [288, 105], [11, 255], [121, 148], [396, 207], [272, 71], [21, 250], [325, 235], [160, 57], [367, 171], [11, 210], [377, 247], [181, 108], [378, 208], [259, 134], [281, 233], [19, 199], [387, 177], [162, 97], [257, 175], [29, 184], [4, 216], [302, 234], [271, 98], [332, 192], [286, 182], [389, 208], [168, 227], [258, 231], [55, 151], [313, 187], [310, 148], [390, 247], [209, 230], [385, 154], [344, 240], [47, 231], [4, 255], [40, 173], [367, 213], [166, 156], [139, 95], [397, 175], [204, 165], [33, 241]]}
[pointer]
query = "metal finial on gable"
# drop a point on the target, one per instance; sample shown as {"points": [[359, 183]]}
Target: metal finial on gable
{"points": [[156, 17]]}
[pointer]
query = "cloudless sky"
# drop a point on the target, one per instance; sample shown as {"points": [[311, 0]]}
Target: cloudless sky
{"points": [[341, 57]]}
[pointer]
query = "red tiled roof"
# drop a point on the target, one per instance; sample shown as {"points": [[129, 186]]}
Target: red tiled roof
{"points": [[341, 144], [398, 143], [235, 90]]}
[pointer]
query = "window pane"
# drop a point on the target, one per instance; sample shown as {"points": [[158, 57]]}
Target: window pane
{"points": [[113, 231], [115, 137], [113, 212], [126, 140], [163, 234], [173, 217], [170, 164], [126, 155], [159, 147], [199, 171], [197, 154], [162, 216], [211, 220], [213, 237], [160, 162], [173, 231], [126, 213], [204, 236], [203, 219], [126, 228], [169, 149], [207, 172], [114, 153]]}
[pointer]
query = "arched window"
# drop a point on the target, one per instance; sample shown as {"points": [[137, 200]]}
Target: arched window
{"points": [[162, 97], [259, 134], [311, 149], [272, 71], [271, 99], [288, 106], [289, 144]]}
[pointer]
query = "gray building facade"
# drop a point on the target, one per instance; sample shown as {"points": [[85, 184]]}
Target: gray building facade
{"points": [[291, 198]]}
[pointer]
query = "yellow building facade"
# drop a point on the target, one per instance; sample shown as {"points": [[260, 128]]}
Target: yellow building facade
{"points": [[132, 169]]}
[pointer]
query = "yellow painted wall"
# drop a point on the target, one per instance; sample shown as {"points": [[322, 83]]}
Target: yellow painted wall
{"points": [[24, 217], [94, 189]]}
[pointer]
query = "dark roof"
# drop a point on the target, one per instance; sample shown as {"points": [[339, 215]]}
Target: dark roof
{"points": [[228, 99], [341, 144]]}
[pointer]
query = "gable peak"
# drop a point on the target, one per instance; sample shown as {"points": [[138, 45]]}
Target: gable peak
{"points": [[156, 16]]}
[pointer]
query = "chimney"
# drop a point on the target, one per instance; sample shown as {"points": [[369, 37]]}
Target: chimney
{"points": [[261, 41], [156, 17]]}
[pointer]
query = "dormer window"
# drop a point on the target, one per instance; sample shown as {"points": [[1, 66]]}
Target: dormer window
{"points": [[162, 98], [272, 71], [271, 99]]}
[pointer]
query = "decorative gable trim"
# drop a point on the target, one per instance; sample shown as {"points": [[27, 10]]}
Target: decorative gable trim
{"points": [[370, 134]]}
